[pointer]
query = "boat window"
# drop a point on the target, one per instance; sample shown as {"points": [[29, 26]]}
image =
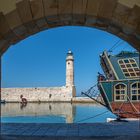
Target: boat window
{"points": [[121, 62], [125, 70], [135, 91], [132, 74], [120, 92], [132, 61], [138, 73], [136, 69], [126, 61], [129, 67], [134, 65], [127, 74], [130, 70], [123, 66]]}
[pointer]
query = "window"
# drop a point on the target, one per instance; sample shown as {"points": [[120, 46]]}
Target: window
{"points": [[120, 92], [135, 91], [129, 67], [126, 61]]}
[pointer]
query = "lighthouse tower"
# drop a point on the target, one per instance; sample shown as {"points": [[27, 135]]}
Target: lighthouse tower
{"points": [[70, 72]]}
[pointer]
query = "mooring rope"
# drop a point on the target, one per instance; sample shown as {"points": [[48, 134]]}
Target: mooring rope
{"points": [[91, 117]]}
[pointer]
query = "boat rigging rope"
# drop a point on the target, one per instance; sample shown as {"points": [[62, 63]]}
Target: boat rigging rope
{"points": [[132, 105], [91, 117], [119, 42], [137, 113]]}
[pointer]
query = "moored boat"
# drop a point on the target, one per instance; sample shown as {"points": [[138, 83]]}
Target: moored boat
{"points": [[120, 86]]}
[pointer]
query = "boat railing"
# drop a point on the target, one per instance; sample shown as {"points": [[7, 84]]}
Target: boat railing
{"points": [[93, 93]]}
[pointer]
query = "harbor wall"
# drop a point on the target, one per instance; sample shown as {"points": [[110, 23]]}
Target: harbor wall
{"points": [[51, 94]]}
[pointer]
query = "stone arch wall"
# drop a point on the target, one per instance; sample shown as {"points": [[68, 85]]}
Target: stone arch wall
{"points": [[22, 18]]}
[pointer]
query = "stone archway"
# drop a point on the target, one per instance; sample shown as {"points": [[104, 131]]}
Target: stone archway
{"points": [[22, 18]]}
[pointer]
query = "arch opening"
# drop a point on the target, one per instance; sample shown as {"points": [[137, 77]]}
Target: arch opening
{"points": [[46, 52]]}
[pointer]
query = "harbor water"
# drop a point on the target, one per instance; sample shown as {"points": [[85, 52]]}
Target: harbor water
{"points": [[54, 113]]}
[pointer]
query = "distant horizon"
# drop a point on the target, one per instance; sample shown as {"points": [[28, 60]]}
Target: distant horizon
{"points": [[39, 60]]}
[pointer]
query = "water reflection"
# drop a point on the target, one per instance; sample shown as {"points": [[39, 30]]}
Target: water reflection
{"points": [[66, 110], [52, 112], [22, 105]]}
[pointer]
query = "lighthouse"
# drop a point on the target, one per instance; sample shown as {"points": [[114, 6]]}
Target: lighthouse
{"points": [[70, 72]]}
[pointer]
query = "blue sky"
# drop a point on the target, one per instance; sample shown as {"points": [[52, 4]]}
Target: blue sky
{"points": [[39, 60]]}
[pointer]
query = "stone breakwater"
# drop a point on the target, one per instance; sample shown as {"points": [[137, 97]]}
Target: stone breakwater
{"points": [[51, 94]]}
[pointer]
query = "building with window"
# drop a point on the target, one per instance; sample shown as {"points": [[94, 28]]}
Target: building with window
{"points": [[120, 88]]}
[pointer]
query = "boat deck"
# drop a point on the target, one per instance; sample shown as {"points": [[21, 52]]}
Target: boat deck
{"points": [[112, 130]]}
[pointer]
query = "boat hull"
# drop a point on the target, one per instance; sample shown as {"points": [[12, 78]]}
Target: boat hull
{"points": [[126, 109]]}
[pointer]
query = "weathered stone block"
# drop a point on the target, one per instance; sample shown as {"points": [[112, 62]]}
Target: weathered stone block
{"points": [[130, 39], [120, 15], [11, 37], [79, 12], [129, 3], [65, 11], [6, 6], [24, 10], [106, 8], [31, 27], [93, 7], [21, 32], [4, 27], [50, 7], [2, 42], [78, 19], [13, 19], [5, 30], [64, 7], [113, 29], [79, 7], [37, 9], [134, 17]]}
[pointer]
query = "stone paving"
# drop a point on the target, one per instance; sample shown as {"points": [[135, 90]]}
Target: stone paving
{"points": [[85, 130]]}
